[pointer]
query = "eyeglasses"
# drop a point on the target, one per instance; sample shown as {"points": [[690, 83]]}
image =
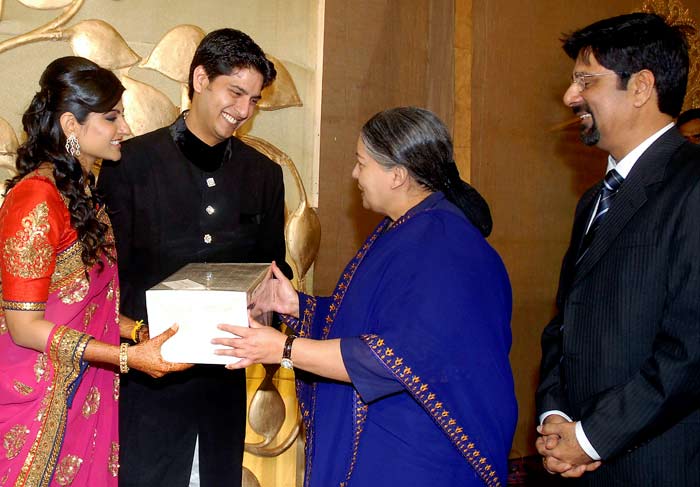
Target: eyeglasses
{"points": [[583, 80]]}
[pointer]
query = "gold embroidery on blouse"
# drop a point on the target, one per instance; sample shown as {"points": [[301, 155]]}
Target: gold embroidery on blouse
{"points": [[67, 469], [69, 278], [22, 388], [65, 354], [115, 387], [92, 402], [3, 323], [40, 366], [69, 266], [68, 262], [89, 314], [28, 254], [14, 440], [113, 464], [22, 306]]}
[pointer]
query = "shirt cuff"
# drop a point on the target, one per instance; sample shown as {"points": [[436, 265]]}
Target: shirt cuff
{"points": [[544, 415], [584, 443]]}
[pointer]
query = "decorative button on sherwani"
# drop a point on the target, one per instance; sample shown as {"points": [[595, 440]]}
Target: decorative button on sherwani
{"points": [[210, 182], [207, 238], [210, 209]]}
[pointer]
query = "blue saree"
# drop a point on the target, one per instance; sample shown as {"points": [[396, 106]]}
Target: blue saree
{"points": [[423, 313]]}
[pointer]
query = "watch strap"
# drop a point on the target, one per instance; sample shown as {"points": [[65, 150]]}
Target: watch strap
{"points": [[287, 353]]}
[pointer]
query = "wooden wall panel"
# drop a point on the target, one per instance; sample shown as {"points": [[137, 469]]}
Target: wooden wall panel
{"points": [[377, 54], [531, 176]]}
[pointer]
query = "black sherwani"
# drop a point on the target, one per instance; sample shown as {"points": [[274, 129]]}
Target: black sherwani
{"points": [[174, 200], [623, 353]]}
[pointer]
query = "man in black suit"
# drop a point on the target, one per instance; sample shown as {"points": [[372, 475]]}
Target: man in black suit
{"points": [[192, 192], [619, 393]]}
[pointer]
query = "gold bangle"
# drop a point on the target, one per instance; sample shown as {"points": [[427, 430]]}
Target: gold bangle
{"points": [[123, 358], [135, 331]]}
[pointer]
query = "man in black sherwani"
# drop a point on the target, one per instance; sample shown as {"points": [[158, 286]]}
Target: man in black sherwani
{"points": [[187, 193]]}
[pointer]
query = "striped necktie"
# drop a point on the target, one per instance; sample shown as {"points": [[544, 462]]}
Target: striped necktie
{"points": [[611, 183]]}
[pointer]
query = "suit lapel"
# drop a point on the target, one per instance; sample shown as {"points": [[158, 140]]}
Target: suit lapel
{"points": [[649, 169], [588, 203], [581, 217]]}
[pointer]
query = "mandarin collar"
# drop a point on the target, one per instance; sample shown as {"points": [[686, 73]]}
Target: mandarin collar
{"points": [[205, 157]]}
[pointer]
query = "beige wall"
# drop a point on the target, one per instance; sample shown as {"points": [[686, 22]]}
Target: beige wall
{"points": [[290, 30], [531, 176]]}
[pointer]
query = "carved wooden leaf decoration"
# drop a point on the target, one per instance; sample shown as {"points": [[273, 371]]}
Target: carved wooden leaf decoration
{"points": [[282, 93], [46, 4], [101, 43], [249, 479], [302, 230], [174, 52], [7, 171], [145, 107], [8, 151], [8, 138], [267, 410], [303, 237]]}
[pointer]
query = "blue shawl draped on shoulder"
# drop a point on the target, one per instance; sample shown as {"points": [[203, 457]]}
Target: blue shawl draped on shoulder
{"points": [[431, 302]]}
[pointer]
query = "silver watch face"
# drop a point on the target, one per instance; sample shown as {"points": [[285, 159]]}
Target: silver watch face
{"points": [[287, 363]]}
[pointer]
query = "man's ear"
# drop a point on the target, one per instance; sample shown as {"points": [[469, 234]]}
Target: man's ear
{"points": [[69, 124], [643, 87], [200, 79]]}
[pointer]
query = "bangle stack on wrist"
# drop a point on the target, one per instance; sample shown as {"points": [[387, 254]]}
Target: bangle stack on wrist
{"points": [[123, 358]]}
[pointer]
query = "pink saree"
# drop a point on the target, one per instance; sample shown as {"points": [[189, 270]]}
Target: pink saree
{"points": [[58, 415]]}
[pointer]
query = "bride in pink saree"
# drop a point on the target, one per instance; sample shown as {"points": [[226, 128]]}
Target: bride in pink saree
{"points": [[60, 327]]}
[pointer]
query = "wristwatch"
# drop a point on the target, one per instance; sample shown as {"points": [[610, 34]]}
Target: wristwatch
{"points": [[286, 362]]}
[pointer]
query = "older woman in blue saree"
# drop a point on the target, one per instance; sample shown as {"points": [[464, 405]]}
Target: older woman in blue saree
{"points": [[406, 378]]}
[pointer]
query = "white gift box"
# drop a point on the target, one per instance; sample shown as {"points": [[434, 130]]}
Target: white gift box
{"points": [[198, 297]]}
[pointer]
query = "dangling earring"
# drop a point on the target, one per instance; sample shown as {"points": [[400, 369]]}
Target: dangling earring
{"points": [[72, 145]]}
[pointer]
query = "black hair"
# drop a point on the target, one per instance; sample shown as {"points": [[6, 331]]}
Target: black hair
{"points": [[81, 87], [687, 116], [416, 139], [629, 43], [221, 51]]}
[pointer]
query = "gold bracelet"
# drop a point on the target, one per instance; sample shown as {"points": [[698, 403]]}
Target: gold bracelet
{"points": [[123, 358], [135, 331]]}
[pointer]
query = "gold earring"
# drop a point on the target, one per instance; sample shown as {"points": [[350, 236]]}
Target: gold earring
{"points": [[72, 145]]}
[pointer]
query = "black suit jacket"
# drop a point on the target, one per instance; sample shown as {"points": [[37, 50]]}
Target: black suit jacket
{"points": [[623, 353]]}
